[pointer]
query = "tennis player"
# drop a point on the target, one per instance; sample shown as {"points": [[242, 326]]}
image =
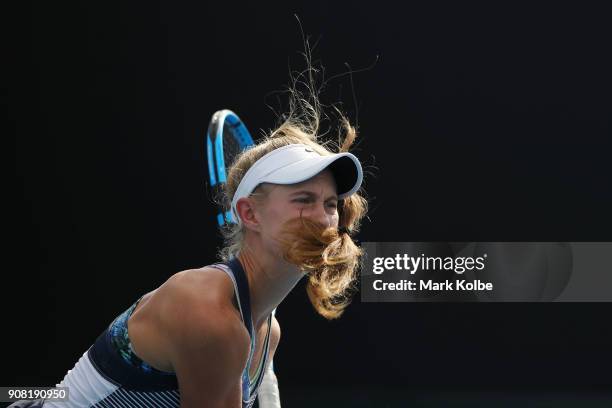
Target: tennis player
{"points": [[205, 338]]}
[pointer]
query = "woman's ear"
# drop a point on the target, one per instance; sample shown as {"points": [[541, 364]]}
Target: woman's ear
{"points": [[246, 211]]}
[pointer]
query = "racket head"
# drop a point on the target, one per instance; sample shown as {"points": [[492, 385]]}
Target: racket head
{"points": [[226, 137]]}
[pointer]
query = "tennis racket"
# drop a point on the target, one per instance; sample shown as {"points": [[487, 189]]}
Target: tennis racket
{"points": [[226, 137]]}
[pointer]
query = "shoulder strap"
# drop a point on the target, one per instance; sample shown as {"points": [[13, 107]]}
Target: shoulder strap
{"points": [[266, 350], [244, 296], [244, 299]]}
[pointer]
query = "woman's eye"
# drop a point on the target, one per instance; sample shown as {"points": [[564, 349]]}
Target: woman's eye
{"points": [[306, 200]]}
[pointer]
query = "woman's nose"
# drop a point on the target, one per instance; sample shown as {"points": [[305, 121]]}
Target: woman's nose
{"points": [[321, 216]]}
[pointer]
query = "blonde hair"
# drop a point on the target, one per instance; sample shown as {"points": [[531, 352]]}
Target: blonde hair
{"points": [[331, 258]]}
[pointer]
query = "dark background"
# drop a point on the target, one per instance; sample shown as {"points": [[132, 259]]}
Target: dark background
{"points": [[478, 123]]}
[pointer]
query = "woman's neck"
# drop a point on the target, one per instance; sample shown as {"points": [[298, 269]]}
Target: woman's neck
{"points": [[270, 279]]}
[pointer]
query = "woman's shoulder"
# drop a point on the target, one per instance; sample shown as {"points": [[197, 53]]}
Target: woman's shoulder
{"points": [[193, 307], [199, 297], [207, 282]]}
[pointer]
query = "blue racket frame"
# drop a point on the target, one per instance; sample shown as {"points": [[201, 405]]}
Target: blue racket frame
{"points": [[216, 159], [214, 151]]}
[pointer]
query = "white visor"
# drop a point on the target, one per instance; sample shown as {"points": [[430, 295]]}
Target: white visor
{"points": [[295, 163]]}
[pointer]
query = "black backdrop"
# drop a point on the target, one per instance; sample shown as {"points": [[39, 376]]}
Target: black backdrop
{"points": [[478, 123]]}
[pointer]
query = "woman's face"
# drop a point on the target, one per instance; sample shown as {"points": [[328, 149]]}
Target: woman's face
{"points": [[315, 198]]}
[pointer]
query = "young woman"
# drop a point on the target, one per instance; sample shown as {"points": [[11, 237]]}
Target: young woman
{"points": [[205, 338]]}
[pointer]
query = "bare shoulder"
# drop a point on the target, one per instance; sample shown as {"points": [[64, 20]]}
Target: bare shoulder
{"points": [[208, 345], [275, 330], [275, 335], [199, 299]]}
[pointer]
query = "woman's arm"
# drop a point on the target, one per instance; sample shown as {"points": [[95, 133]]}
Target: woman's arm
{"points": [[208, 348]]}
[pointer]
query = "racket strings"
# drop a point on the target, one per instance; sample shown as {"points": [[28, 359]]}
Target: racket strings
{"points": [[231, 148]]}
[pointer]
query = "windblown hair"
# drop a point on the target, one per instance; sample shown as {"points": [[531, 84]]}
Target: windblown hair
{"points": [[329, 257]]}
